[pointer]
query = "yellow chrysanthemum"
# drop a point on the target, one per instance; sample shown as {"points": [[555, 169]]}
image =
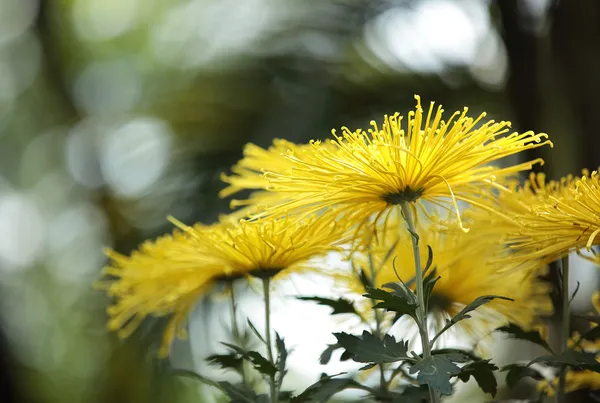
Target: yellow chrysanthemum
{"points": [[247, 174], [576, 380], [516, 200], [171, 275], [560, 221], [464, 263], [430, 159]]}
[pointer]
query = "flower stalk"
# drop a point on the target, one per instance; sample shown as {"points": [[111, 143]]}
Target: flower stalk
{"points": [[566, 328], [272, 387], [235, 330], [419, 278]]}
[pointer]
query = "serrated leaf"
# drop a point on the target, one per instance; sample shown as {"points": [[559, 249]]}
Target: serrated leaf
{"points": [[575, 359], [260, 363], [326, 354], [369, 349], [516, 372], [226, 361], [532, 336], [346, 355], [483, 372], [240, 393], [436, 371], [338, 306], [404, 303], [464, 313], [281, 359], [323, 390]]}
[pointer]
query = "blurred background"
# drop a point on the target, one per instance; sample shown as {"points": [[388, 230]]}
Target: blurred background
{"points": [[116, 113]]}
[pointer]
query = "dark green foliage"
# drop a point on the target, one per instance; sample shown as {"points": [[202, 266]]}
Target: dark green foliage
{"points": [[281, 359], [592, 334], [369, 349], [256, 332], [324, 389], [575, 359], [436, 371], [339, 306], [326, 354], [402, 300], [428, 284], [227, 361], [483, 372], [241, 393], [260, 363], [532, 336], [410, 394], [516, 372]]}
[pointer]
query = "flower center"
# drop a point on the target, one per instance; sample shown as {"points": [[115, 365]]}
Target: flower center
{"points": [[439, 302], [265, 273], [405, 195]]}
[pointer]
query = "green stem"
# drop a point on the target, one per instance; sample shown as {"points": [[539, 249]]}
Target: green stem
{"points": [[382, 381], [235, 330], [273, 388], [566, 328], [421, 311]]}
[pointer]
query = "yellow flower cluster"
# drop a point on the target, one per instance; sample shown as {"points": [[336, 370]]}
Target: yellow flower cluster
{"points": [[312, 199]]}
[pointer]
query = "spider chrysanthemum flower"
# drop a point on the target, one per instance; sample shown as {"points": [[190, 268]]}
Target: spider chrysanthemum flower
{"points": [[563, 220], [367, 173], [169, 276], [464, 263], [515, 203], [248, 174], [577, 380]]}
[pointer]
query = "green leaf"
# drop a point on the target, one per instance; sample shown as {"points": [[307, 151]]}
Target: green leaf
{"points": [[324, 389], [532, 336], [516, 372], [429, 260], [256, 332], [436, 371], [428, 284], [370, 349], [467, 355], [483, 372], [339, 306], [402, 300], [464, 313], [260, 363], [364, 279], [281, 359], [576, 359], [409, 394], [240, 393], [326, 354], [226, 361], [592, 334]]}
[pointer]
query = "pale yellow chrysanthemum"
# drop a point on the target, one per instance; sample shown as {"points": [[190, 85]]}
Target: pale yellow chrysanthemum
{"points": [[171, 275], [248, 174], [517, 200], [559, 222], [576, 380], [368, 173], [467, 270]]}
